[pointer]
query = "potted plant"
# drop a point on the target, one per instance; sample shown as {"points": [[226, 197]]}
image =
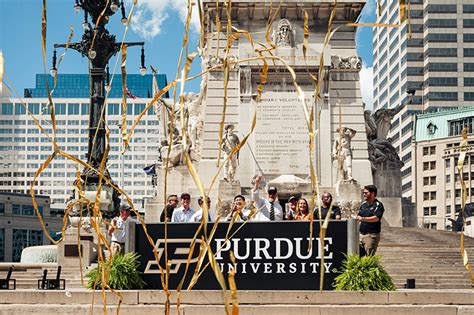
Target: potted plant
{"points": [[122, 274], [363, 274]]}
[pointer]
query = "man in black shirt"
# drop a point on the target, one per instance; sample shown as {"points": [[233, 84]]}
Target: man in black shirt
{"points": [[370, 218], [326, 200], [169, 209]]}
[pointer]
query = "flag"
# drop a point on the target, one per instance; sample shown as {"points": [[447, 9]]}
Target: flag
{"points": [[129, 94], [150, 169]]}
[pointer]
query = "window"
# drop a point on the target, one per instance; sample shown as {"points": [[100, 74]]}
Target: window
{"points": [[406, 143], [468, 81], [426, 151], [448, 194], [447, 163], [468, 23], [456, 126], [433, 180], [426, 196], [426, 181], [2, 209], [73, 109], [406, 157], [442, 52], [448, 209], [468, 38], [113, 109], [432, 150], [406, 186], [442, 81], [432, 165], [469, 67], [448, 179], [60, 109], [415, 56], [468, 8], [7, 109], [469, 96], [442, 38], [443, 96], [442, 8], [442, 23], [84, 109], [468, 52], [24, 238], [20, 109], [415, 70], [442, 66]]}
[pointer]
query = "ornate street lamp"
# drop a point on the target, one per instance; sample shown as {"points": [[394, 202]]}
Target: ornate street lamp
{"points": [[98, 45]]}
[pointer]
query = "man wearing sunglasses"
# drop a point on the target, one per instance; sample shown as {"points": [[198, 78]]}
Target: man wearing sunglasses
{"points": [[169, 209], [370, 218]]}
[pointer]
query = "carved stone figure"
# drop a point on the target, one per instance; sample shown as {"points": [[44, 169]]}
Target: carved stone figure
{"points": [[346, 63], [245, 81], [342, 153], [230, 141], [284, 34], [383, 119]]}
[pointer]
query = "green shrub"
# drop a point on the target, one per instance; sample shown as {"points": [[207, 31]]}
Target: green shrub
{"points": [[363, 274], [123, 273]]}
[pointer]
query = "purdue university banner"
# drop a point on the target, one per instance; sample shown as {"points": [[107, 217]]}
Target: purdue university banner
{"points": [[268, 255]]}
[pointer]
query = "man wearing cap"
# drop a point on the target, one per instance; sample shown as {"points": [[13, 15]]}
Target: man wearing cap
{"points": [[292, 208], [267, 209], [183, 213], [117, 230]]}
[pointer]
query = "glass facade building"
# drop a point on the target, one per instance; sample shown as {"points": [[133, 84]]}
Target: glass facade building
{"points": [[77, 86]]}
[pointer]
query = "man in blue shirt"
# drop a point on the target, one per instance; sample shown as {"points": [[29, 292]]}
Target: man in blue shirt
{"points": [[183, 213]]}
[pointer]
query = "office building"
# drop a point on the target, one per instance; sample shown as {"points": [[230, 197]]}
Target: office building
{"points": [[20, 227], [23, 147], [435, 65], [437, 180]]}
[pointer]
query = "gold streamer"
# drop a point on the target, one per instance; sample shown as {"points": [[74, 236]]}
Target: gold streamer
{"points": [[460, 168], [403, 13]]}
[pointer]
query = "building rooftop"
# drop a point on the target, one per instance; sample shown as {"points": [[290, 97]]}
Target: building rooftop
{"points": [[438, 125]]}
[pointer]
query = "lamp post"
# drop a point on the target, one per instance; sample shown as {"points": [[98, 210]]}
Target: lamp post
{"points": [[98, 45]]}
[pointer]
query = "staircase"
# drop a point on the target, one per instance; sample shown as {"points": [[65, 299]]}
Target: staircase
{"points": [[431, 257]]}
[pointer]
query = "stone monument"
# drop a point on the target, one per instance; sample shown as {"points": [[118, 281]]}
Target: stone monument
{"points": [[386, 163], [279, 144]]}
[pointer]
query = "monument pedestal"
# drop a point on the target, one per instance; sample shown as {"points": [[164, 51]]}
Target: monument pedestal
{"points": [[347, 191], [69, 251], [226, 192]]}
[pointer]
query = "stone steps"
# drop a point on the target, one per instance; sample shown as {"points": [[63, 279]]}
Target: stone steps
{"points": [[79, 301], [431, 257]]}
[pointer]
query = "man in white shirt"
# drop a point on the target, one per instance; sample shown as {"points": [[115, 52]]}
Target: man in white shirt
{"points": [[267, 209], [117, 230], [197, 216], [183, 213]]}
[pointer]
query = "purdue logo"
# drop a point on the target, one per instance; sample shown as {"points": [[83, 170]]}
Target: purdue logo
{"points": [[178, 253]]}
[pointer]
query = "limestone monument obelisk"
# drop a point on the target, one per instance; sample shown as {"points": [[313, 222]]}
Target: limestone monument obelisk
{"points": [[278, 147]]}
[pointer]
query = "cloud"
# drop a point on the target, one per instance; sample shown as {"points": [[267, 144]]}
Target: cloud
{"points": [[367, 86], [149, 15]]}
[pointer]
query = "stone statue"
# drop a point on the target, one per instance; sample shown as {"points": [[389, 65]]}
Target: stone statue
{"points": [[383, 119], [350, 63], [245, 81], [342, 153], [284, 34], [230, 141]]}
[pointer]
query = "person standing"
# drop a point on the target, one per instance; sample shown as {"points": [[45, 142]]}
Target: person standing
{"points": [[118, 232], [292, 209], [237, 209], [267, 209], [303, 210], [326, 201], [183, 213], [370, 218], [169, 209], [197, 216]]}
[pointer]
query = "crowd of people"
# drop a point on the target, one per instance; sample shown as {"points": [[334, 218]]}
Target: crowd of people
{"points": [[266, 209]]}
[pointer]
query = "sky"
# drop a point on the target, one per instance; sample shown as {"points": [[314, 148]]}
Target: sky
{"points": [[159, 23]]}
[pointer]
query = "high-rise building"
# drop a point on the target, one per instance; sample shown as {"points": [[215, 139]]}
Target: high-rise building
{"points": [[433, 69], [436, 177], [24, 148]]}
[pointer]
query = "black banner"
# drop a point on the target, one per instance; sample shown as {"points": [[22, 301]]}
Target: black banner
{"points": [[269, 255]]}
